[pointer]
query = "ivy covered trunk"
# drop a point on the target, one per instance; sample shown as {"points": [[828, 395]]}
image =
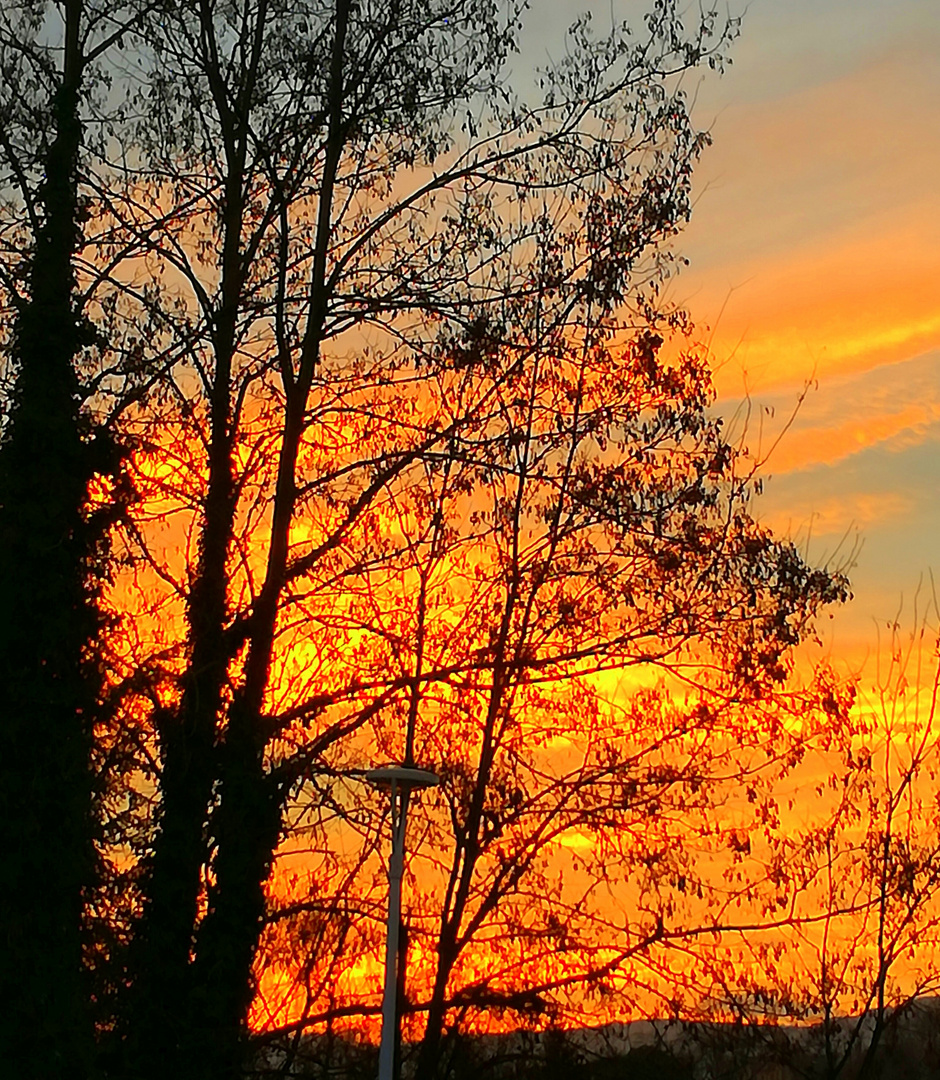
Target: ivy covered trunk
{"points": [[48, 621]]}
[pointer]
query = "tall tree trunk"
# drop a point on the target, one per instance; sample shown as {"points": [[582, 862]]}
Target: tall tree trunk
{"points": [[247, 821], [159, 1036], [159, 1021], [430, 1051], [48, 620], [247, 827]]}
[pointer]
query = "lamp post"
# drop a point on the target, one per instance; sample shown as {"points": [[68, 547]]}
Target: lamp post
{"points": [[399, 780]]}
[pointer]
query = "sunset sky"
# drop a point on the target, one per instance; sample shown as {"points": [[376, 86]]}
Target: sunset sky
{"points": [[815, 251]]}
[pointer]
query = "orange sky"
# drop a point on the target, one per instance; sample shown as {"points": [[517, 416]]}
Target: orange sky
{"points": [[815, 250], [815, 257]]}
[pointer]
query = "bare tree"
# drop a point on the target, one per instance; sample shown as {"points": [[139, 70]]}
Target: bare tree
{"points": [[597, 525]]}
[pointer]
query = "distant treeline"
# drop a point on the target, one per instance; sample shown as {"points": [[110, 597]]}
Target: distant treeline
{"points": [[654, 1050]]}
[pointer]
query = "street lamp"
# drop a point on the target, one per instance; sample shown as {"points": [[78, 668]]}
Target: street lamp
{"points": [[399, 780]]}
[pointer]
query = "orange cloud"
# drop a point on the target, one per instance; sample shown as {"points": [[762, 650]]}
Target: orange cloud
{"points": [[821, 310], [836, 515], [815, 244], [828, 445]]}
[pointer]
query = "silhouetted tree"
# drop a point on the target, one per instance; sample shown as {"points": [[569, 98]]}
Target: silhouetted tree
{"points": [[415, 476], [601, 529], [370, 242], [53, 82]]}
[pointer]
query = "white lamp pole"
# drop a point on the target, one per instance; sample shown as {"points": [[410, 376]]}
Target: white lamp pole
{"points": [[399, 780]]}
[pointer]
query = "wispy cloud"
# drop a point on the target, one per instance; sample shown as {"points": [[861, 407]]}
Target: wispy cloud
{"points": [[837, 516], [893, 406], [827, 446], [815, 245]]}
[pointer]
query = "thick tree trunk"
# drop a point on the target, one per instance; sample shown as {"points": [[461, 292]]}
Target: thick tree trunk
{"points": [[429, 1053], [48, 621], [195, 980], [246, 827], [246, 823], [157, 1034]]}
